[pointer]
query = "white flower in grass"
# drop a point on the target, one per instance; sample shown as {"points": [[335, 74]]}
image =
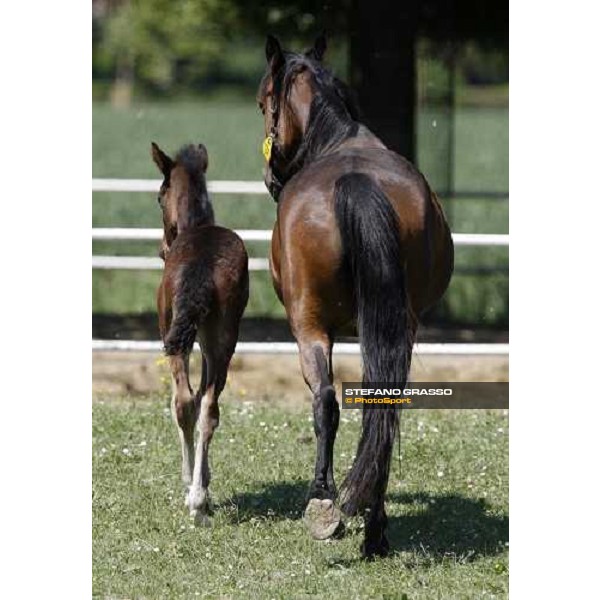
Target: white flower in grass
{"points": [[126, 451], [440, 473]]}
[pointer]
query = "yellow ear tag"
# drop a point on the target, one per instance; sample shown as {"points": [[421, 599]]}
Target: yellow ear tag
{"points": [[266, 147]]}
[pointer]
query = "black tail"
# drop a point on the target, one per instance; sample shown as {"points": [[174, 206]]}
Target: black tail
{"points": [[371, 243], [193, 298]]}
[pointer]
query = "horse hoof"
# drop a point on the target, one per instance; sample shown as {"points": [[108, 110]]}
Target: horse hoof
{"points": [[200, 518], [372, 551], [322, 518]]}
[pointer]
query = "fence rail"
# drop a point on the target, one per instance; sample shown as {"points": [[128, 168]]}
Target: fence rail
{"points": [[255, 264], [248, 187], [153, 185], [150, 263], [264, 235], [352, 349]]}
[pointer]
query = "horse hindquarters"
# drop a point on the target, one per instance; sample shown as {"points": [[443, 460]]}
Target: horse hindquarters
{"points": [[373, 259]]}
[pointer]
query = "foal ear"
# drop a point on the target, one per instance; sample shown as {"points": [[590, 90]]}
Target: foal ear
{"points": [[163, 162], [274, 53], [203, 157], [318, 50]]}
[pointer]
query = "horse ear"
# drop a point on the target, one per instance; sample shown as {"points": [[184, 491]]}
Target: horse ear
{"points": [[203, 157], [274, 53], [162, 161], [318, 50]]}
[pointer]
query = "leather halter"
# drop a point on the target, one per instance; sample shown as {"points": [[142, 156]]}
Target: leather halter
{"points": [[276, 185]]}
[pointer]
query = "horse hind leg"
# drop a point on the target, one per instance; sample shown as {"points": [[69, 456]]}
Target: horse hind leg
{"points": [[322, 517], [375, 542], [208, 421], [184, 412]]}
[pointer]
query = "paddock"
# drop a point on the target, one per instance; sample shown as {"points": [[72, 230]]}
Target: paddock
{"points": [[447, 500]]}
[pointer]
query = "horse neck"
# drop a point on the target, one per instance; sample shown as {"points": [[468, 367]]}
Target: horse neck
{"points": [[195, 210], [329, 126]]}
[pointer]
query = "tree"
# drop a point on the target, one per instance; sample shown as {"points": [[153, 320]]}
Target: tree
{"points": [[164, 42]]}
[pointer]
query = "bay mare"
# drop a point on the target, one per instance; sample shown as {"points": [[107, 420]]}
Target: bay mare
{"points": [[360, 241]]}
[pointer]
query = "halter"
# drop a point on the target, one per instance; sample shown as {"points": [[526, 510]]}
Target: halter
{"points": [[270, 146]]}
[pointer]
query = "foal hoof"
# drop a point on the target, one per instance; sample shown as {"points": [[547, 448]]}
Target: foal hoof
{"points": [[322, 518], [200, 518]]}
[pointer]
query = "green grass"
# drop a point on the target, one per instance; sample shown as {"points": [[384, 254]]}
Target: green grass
{"points": [[448, 514], [232, 131]]}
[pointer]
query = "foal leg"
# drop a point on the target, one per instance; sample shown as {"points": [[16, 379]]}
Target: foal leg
{"points": [[216, 374], [322, 517], [184, 412]]}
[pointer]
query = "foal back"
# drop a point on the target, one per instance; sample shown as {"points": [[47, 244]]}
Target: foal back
{"points": [[204, 290]]}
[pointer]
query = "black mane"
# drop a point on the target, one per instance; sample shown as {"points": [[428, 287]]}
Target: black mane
{"points": [[194, 162], [333, 116]]}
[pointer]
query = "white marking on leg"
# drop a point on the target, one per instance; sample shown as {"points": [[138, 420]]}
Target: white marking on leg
{"points": [[207, 423]]}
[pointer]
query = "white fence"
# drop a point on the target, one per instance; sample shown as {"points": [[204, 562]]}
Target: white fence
{"points": [[341, 348], [255, 264]]}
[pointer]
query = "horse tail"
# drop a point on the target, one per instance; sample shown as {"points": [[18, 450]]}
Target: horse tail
{"points": [[373, 260], [194, 292]]}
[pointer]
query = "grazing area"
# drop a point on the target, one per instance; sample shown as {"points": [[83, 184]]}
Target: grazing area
{"points": [[447, 505]]}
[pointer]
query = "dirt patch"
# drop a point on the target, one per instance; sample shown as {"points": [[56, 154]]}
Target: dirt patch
{"points": [[274, 377]]}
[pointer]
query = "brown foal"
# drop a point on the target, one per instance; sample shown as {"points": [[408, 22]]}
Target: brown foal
{"points": [[203, 294]]}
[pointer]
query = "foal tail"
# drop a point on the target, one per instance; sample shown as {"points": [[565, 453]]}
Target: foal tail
{"points": [[192, 300], [371, 242]]}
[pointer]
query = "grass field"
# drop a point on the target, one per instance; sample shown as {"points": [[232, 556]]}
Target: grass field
{"points": [[232, 131], [448, 510]]}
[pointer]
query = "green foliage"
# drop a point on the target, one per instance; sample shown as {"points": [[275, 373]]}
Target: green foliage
{"points": [[168, 41]]}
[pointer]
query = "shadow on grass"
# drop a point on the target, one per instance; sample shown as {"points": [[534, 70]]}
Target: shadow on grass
{"points": [[439, 526], [447, 526], [274, 501]]}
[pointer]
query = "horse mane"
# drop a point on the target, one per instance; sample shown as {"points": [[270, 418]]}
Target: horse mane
{"points": [[330, 120], [334, 113], [199, 207]]}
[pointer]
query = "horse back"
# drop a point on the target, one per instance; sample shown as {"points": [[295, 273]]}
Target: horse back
{"points": [[210, 256]]}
